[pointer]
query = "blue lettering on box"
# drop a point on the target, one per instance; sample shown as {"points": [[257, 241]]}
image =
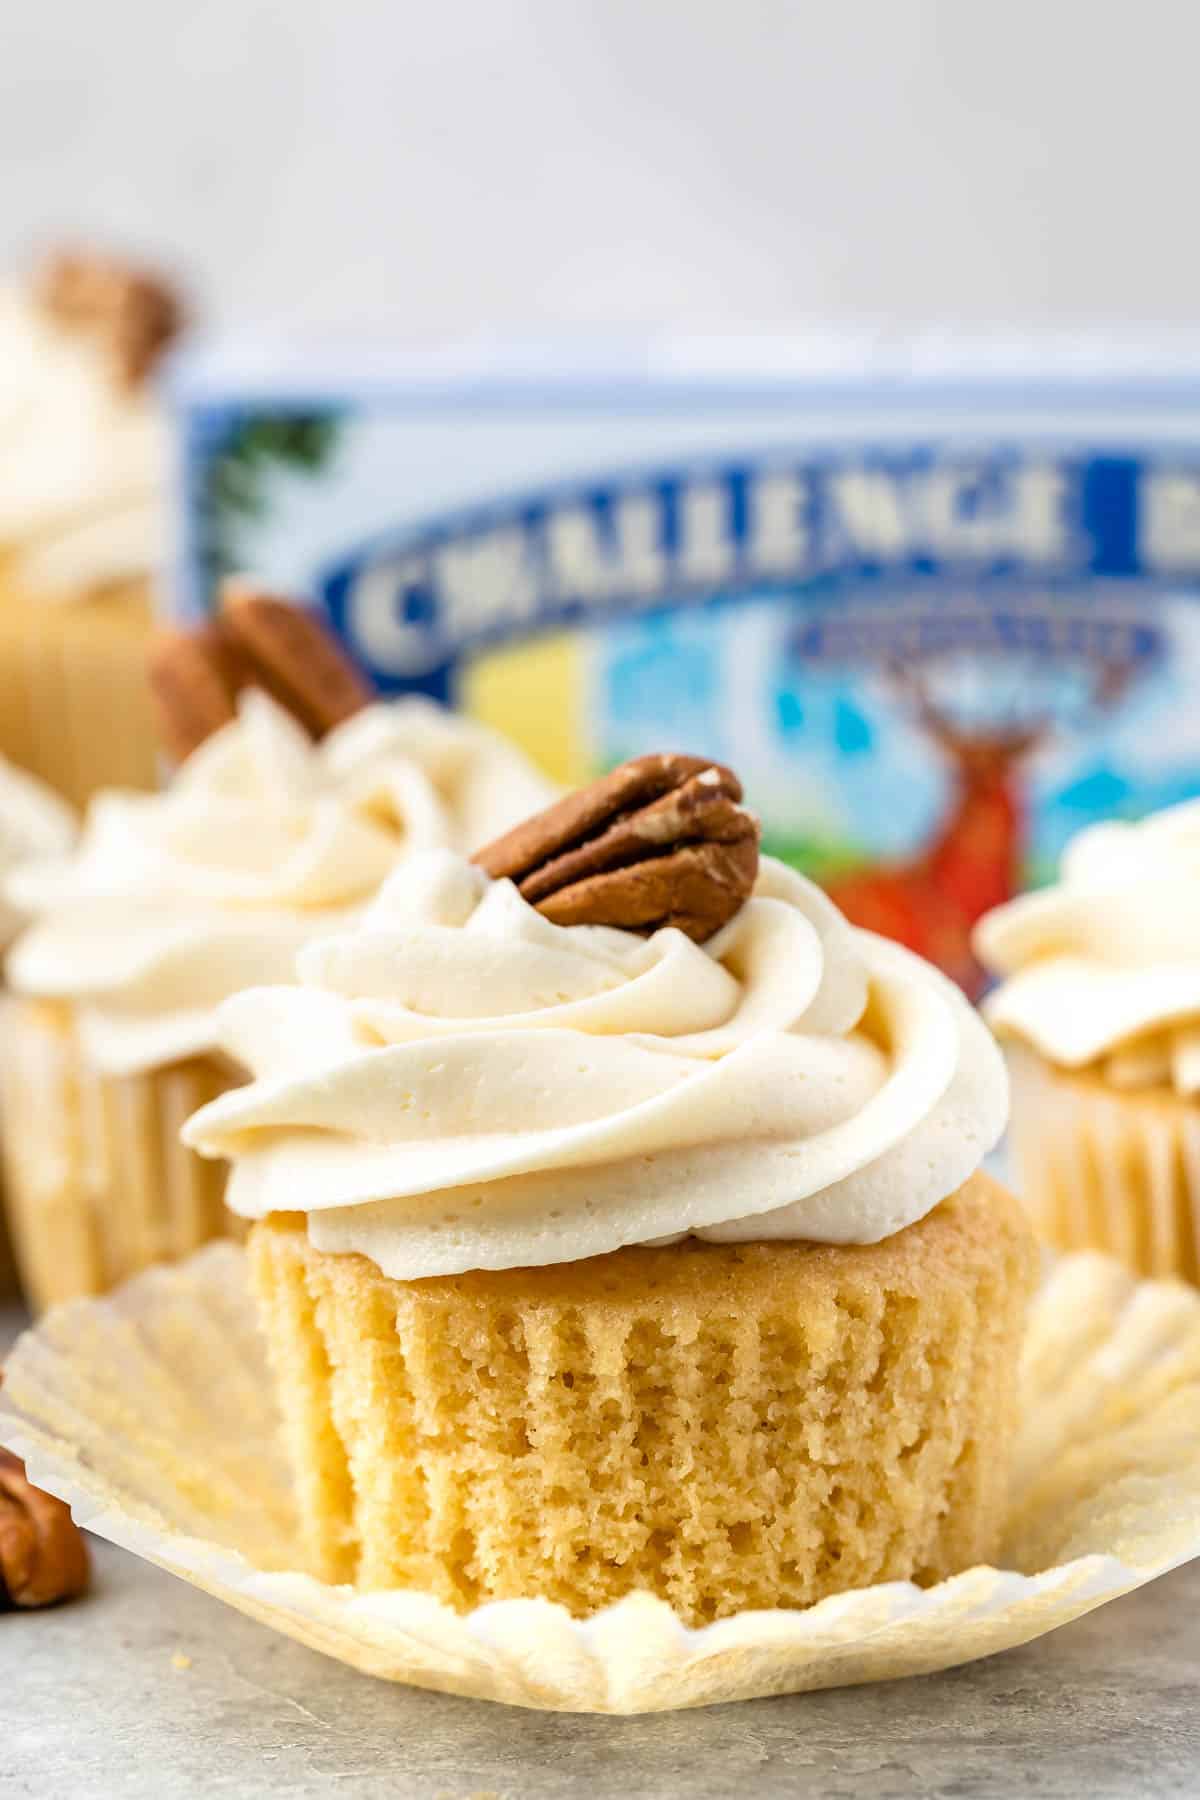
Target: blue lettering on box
{"points": [[413, 603]]}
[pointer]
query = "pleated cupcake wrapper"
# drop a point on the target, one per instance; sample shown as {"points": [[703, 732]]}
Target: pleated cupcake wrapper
{"points": [[152, 1413], [1109, 1169], [97, 1184], [74, 701]]}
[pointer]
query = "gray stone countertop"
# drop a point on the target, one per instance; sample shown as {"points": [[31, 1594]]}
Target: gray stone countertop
{"points": [[151, 1688]]}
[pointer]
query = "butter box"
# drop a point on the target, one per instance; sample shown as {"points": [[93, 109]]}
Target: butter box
{"points": [[938, 603]]}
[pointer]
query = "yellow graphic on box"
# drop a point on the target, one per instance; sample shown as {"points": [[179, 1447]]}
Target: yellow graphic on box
{"points": [[533, 692]]}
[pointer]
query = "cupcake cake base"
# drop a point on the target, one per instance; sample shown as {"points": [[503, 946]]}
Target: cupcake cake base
{"points": [[724, 1426], [1109, 1169], [102, 1188]]}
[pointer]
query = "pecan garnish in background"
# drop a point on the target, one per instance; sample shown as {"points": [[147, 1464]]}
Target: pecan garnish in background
{"points": [[132, 313], [43, 1557], [662, 840], [256, 640], [195, 677], [295, 656]]}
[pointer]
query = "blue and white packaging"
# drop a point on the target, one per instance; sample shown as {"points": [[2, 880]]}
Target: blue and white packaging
{"points": [[938, 604]]}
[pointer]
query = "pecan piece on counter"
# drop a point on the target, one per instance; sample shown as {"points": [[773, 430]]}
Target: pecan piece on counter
{"points": [[662, 840], [43, 1557]]}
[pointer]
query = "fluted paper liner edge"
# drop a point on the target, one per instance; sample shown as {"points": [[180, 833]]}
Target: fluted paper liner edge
{"points": [[151, 1412]]}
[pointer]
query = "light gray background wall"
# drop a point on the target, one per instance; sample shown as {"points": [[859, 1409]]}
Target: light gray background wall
{"points": [[439, 165]]}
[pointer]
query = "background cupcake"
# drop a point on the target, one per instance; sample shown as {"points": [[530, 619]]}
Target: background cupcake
{"points": [[620, 1224], [1100, 1001], [84, 461], [271, 833]]}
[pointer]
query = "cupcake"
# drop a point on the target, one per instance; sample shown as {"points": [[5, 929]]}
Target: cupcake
{"points": [[84, 462], [1099, 1002], [618, 1224], [273, 832]]}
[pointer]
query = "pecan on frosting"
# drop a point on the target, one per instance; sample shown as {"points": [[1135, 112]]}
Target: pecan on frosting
{"points": [[43, 1557], [257, 640], [132, 313], [662, 840]]}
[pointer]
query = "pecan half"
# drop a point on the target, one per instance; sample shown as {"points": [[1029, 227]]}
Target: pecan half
{"points": [[43, 1557], [662, 840], [295, 656], [194, 677], [257, 640], [132, 313]]}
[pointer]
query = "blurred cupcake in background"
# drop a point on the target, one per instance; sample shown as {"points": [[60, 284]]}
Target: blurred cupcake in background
{"points": [[296, 797], [84, 461], [1100, 1002]]}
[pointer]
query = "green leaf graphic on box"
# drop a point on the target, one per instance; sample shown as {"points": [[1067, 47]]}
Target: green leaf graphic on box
{"points": [[239, 474]]}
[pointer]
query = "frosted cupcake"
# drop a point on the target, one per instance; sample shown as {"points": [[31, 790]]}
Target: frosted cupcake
{"points": [[84, 462], [1100, 1002], [620, 1224], [265, 839]]}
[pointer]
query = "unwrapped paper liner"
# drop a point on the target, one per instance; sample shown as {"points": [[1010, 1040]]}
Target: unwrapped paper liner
{"points": [[151, 1412]]}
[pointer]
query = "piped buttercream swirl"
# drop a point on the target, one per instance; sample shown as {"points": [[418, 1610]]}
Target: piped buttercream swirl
{"points": [[1103, 969], [264, 841], [457, 1083]]}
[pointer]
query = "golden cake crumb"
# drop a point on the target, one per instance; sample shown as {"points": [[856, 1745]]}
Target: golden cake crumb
{"points": [[726, 1426]]}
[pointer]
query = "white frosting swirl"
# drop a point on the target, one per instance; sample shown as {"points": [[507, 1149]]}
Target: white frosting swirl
{"points": [[263, 842], [34, 823], [1103, 968], [460, 1084], [83, 459]]}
